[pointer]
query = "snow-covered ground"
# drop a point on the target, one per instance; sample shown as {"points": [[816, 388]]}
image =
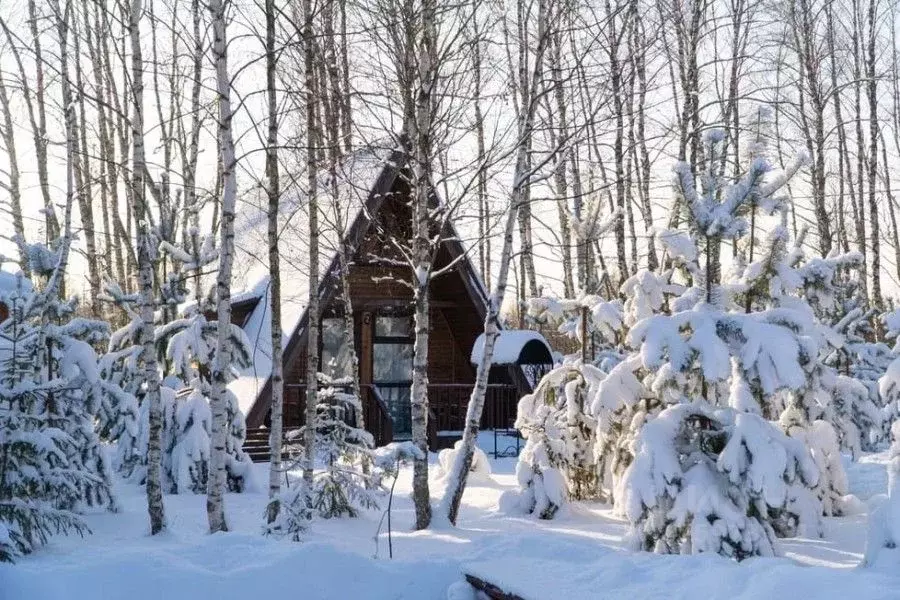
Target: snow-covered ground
{"points": [[578, 555]]}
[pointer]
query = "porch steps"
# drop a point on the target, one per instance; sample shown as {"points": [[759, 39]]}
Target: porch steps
{"points": [[257, 445]]}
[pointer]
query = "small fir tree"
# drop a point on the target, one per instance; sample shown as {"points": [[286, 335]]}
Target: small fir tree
{"points": [[343, 487]]}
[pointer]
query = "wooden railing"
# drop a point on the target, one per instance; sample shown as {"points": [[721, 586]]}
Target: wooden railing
{"points": [[447, 402], [375, 411], [450, 401]]}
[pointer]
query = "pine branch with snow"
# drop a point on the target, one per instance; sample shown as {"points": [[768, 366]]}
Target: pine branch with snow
{"points": [[706, 481]]}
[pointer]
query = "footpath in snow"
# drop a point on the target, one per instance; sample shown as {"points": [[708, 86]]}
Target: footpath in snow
{"points": [[579, 555]]}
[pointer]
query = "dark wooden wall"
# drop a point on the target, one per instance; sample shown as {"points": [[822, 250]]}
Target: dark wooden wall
{"points": [[376, 285]]}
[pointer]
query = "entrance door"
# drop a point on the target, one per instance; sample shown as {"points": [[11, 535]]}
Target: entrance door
{"points": [[392, 357]]}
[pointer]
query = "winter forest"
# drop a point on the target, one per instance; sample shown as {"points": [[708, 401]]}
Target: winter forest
{"points": [[516, 299]]}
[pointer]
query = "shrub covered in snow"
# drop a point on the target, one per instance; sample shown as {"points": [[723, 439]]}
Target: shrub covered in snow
{"points": [[342, 488], [558, 463], [883, 537], [481, 466], [190, 351], [715, 481]]}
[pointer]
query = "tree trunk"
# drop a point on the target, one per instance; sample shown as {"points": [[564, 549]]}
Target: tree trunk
{"points": [[420, 131], [312, 311], [83, 180], [145, 253], [215, 508], [843, 156], [13, 187], [860, 151], [40, 133], [273, 192], [484, 239], [518, 196], [872, 89], [559, 171]]}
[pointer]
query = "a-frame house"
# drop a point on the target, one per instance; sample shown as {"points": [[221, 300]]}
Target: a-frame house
{"points": [[382, 317]]}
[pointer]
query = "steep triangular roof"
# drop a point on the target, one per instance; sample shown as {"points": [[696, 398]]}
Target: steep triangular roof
{"points": [[366, 180]]}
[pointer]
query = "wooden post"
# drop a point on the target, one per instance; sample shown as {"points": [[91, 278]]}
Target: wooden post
{"points": [[365, 348]]}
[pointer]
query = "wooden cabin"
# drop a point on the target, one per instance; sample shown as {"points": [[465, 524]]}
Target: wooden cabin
{"points": [[382, 305]]}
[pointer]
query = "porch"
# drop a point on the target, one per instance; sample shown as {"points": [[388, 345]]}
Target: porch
{"points": [[386, 410]]}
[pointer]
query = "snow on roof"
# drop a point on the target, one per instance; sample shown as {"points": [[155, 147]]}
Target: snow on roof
{"points": [[355, 178], [256, 291], [509, 346]]}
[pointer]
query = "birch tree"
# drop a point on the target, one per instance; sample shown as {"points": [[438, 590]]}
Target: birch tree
{"points": [[312, 309], [273, 193], [215, 507], [12, 186], [530, 96], [419, 129], [145, 252]]}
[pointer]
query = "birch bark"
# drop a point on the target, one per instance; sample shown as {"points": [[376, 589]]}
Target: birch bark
{"points": [[215, 508], [145, 276]]}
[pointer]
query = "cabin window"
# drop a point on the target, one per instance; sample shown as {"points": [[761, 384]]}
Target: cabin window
{"points": [[336, 356], [392, 360], [392, 327]]}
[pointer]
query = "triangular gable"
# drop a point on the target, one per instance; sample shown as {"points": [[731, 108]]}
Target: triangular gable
{"points": [[356, 233]]}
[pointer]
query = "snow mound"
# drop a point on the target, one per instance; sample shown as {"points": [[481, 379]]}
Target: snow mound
{"points": [[460, 590], [480, 470]]}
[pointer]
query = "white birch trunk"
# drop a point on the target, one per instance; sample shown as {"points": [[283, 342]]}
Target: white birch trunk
{"points": [[40, 133], [312, 338], [518, 197], [145, 277], [274, 193], [215, 509], [420, 126], [13, 187]]}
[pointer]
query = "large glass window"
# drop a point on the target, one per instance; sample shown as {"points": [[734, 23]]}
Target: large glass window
{"points": [[336, 358], [392, 359]]}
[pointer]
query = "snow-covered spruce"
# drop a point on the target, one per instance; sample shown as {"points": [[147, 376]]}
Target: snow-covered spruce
{"points": [[342, 487], [604, 324], [822, 441], [557, 463], [296, 501], [826, 289], [38, 482], [752, 343], [621, 407], [52, 464], [119, 421], [190, 352], [706, 481], [188, 456], [61, 346]]}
